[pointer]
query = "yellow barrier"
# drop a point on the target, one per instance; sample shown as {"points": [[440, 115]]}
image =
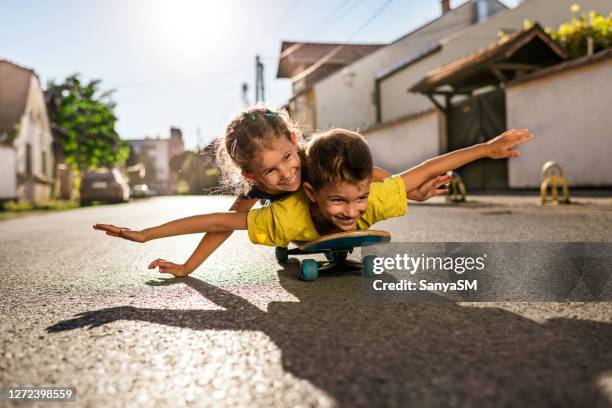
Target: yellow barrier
{"points": [[552, 176], [456, 189]]}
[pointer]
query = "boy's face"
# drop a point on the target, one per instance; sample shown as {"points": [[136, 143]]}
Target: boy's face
{"points": [[341, 204]]}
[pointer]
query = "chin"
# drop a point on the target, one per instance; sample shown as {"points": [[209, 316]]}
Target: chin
{"points": [[347, 228]]}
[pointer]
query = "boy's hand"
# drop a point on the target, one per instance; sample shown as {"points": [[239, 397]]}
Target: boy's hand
{"points": [[169, 267], [125, 233], [429, 189], [501, 147]]}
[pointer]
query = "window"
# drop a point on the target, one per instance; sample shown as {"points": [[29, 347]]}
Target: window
{"points": [[28, 159], [44, 163]]}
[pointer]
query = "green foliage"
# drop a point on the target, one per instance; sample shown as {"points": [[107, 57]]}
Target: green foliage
{"points": [[85, 116], [573, 35], [23, 206]]}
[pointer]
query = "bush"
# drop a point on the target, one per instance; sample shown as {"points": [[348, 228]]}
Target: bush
{"points": [[574, 34]]}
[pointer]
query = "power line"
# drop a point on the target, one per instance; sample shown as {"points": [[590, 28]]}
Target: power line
{"points": [[329, 17], [339, 48]]}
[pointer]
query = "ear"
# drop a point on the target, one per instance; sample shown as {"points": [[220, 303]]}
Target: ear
{"points": [[294, 139], [249, 176], [310, 191]]}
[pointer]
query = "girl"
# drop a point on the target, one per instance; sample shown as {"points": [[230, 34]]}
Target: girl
{"points": [[260, 157]]}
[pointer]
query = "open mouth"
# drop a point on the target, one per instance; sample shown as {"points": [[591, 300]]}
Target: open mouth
{"points": [[291, 181], [345, 222]]}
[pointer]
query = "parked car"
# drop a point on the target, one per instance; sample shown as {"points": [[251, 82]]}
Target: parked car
{"points": [[140, 190], [106, 185]]}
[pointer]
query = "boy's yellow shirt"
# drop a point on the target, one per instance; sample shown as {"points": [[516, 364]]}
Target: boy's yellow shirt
{"points": [[288, 220]]}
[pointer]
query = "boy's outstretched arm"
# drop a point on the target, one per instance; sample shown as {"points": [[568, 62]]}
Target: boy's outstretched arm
{"points": [[498, 148], [205, 248], [429, 188], [215, 222]]}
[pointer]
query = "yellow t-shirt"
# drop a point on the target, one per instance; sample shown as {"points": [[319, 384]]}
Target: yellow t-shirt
{"points": [[288, 220]]}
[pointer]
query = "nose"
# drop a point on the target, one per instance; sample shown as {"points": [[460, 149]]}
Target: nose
{"points": [[352, 210], [285, 172]]}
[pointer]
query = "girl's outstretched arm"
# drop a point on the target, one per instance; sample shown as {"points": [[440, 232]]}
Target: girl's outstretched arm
{"points": [[498, 148]]}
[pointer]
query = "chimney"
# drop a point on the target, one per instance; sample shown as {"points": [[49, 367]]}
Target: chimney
{"points": [[482, 10], [445, 6], [175, 133]]}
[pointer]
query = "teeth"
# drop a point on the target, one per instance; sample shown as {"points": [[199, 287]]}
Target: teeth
{"points": [[291, 180]]}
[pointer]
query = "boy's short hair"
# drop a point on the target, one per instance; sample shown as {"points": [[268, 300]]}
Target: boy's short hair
{"points": [[338, 155]]}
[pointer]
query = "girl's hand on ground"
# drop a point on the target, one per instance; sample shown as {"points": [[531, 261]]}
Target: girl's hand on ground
{"points": [[429, 189], [125, 233], [164, 266], [501, 147]]}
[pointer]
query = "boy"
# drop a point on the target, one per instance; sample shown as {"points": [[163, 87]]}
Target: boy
{"points": [[337, 196]]}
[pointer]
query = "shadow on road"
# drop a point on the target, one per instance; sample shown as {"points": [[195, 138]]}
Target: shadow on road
{"points": [[401, 354]]}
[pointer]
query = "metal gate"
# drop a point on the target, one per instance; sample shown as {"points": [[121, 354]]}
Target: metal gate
{"points": [[476, 120]]}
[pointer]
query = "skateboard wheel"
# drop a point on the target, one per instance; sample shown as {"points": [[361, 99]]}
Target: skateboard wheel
{"points": [[309, 270], [282, 254], [367, 266], [336, 256]]}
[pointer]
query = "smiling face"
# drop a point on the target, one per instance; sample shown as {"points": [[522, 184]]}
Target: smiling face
{"points": [[276, 166], [340, 204]]}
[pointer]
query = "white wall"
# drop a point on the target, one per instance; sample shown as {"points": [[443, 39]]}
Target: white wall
{"points": [[407, 143], [397, 102], [8, 170], [353, 107], [570, 115], [34, 130]]}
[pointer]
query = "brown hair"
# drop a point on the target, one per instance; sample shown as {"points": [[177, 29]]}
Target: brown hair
{"points": [[338, 155], [247, 133]]}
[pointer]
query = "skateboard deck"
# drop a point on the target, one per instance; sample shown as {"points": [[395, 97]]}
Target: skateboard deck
{"points": [[345, 241]]}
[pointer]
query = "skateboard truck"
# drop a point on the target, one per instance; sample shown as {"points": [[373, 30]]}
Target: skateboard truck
{"points": [[336, 248]]}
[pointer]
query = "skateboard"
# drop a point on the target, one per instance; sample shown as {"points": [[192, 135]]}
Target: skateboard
{"points": [[336, 248]]}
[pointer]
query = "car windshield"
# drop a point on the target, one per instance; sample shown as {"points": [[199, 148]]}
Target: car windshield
{"points": [[99, 176]]}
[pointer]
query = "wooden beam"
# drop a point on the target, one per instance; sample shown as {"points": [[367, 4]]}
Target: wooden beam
{"points": [[497, 72], [435, 102], [516, 66]]}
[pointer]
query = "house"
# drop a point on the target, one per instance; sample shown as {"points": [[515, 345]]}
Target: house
{"points": [[306, 63], [410, 117], [348, 96], [26, 156], [158, 153]]}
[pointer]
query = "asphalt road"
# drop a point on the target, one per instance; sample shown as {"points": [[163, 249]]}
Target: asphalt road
{"points": [[81, 309]]}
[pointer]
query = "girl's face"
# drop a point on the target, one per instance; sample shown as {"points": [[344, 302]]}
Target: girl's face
{"points": [[277, 166]]}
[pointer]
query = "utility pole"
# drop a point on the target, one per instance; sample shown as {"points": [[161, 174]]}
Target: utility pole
{"points": [[245, 93], [259, 80]]}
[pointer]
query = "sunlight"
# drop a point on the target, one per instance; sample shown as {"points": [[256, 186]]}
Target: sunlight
{"points": [[190, 27]]}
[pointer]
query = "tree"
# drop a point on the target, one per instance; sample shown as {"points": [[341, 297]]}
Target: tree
{"points": [[85, 114]]}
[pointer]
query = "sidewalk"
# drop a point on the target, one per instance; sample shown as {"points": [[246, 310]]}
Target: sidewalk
{"points": [[526, 200]]}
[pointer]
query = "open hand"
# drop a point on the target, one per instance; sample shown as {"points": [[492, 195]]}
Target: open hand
{"points": [[429, 189], [125, 233], [164, 266], [502, 146]]}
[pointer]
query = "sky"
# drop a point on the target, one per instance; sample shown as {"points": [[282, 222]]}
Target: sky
{"points": [[182, 63]]}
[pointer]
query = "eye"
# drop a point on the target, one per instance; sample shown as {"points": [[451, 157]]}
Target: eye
{"points": [[287, 156]]}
